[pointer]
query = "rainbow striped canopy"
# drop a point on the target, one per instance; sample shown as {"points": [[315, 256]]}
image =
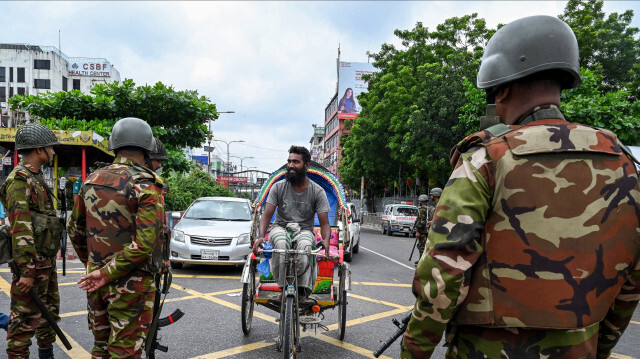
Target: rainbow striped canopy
{"points": [[318, 174]]}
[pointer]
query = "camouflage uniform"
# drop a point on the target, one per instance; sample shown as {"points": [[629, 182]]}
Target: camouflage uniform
{"points": [[115, 226], [27, 200], [542, 207], [421, 226]]}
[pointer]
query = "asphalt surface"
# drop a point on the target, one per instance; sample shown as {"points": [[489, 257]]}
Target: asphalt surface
{"points": [[211, 327]]}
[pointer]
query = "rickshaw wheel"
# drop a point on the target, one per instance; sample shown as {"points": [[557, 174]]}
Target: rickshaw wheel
{"points": [[248, 294], [342, 306], [289, 348]]}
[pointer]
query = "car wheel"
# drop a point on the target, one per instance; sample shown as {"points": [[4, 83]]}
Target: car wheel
{"points": [[389, 232], [383, 230], [356, 249], [176, 265], [406, 234]]}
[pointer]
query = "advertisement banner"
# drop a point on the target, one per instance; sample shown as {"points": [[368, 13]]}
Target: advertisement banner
{"points": [[89, 68], [232, 179], [79, 138], [350, 85]]}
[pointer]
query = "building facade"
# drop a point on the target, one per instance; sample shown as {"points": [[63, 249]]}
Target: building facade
{"points": [[316, 144], [32, 69]]}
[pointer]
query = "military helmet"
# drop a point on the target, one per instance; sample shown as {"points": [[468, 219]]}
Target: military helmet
{"points": [[35, 135], [423, 198], [131, 131], [159, 152], [527, 46], [436, 192]]}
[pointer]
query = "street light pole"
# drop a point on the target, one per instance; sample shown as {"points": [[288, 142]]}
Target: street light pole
{"points": [[228, 143], [210, 137], [241, 159]]}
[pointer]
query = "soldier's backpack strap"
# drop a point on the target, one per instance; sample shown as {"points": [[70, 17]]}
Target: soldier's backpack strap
{"points": [[40, 180], [624, 149]]}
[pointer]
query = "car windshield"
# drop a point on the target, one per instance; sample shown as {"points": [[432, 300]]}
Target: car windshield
{"points": [[406, 211], [219, 210]]}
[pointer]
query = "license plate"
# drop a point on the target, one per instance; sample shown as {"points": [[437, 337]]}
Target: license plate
{"points": [[209, 254]]}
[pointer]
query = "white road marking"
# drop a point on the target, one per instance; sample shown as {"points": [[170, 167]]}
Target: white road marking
{"points": [[391, 259]]}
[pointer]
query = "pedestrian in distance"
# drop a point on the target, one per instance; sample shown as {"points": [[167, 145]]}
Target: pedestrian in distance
{"points": [[36, 233], [114, 228], [533, 250]]}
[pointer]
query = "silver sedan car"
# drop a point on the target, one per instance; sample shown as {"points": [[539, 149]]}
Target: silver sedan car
{"points": [[213, 230]]}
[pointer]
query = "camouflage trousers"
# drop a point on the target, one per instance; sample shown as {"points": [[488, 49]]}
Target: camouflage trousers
{"points": [[120, 315], [26, 319], [307, 269]]}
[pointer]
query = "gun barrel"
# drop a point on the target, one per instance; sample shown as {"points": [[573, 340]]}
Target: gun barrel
{"points": [[42, 308], [401, 329]]}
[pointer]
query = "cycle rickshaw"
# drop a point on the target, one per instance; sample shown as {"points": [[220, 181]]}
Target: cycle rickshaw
{"points": [[261, 290]]}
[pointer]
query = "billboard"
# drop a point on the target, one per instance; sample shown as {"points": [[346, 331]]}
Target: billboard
{"points": [[87, 67], [350, 85]]}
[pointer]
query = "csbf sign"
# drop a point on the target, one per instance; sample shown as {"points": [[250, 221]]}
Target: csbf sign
{"points": [[231, 179]]}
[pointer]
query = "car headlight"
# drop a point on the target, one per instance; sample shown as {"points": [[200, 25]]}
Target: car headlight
{"points": [[244, 239], [178, 236], [394, 222]]}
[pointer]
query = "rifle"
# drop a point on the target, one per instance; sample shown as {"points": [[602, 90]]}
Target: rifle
{"points": [[45, 313], [402, 327], [63, 219], [152, 344]]}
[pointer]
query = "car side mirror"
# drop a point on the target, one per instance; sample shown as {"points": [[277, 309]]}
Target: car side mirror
{"points": [[175, 215], [356, 220]]}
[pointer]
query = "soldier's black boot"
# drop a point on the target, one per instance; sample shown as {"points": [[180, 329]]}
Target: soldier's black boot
{"points": [[46, 353]]}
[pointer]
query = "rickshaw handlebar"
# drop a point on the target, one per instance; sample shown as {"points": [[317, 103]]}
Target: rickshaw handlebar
{"points": [[315, 252]]}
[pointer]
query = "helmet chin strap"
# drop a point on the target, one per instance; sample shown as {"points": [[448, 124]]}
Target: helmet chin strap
{"points": [[147, 160]]}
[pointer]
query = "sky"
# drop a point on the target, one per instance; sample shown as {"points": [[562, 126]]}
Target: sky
{"points": [[272, 63]]}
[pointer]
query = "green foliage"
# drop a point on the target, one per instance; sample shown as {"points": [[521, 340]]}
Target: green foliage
{"points": [[183, 190], [410, 113], [588, 104], [177, 117], [608, 45]]}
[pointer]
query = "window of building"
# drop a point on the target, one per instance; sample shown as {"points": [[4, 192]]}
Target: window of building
{"points": [[64, 84], [76, 84], [21, 91], [10, 74], [3, 76], [3, 94], [42, 84], [42, 64], [20, 74], [10, 91]]}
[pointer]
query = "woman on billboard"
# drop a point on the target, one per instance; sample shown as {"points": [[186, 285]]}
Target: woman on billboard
{"points": [[347, 103]]}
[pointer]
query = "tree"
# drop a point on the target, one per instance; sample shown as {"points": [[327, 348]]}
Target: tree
{"points": [[588, 104], [183, 190], [608, 45], [409, 120], [177, 117]]}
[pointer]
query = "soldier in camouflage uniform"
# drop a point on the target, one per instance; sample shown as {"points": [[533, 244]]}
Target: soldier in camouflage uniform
{"points": [[36, 233], [421, 224], [114, 228], [534, 244]]}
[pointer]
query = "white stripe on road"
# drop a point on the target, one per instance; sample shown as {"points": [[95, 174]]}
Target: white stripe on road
{"points": [[391, 259]]}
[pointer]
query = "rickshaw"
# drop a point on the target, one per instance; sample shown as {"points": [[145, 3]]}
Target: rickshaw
{"points": [[263, 290]]}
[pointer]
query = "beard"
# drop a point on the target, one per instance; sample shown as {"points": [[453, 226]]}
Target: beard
{"points": [[296, 177]]}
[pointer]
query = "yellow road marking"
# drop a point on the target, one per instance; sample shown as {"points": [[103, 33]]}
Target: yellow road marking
{"points": [[206, 276], [372, 317], [59, 271], [354, 348], [222, 302], [376, 301], [77, 351], [403, 285], [620, 356], [5, 287], [634, 322], [237, 350], [66, 283], [71, 314]]}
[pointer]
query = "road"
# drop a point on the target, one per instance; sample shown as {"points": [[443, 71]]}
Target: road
{"points": [[210, 298]]}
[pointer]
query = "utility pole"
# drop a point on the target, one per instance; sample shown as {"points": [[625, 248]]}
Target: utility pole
{"points": [[209, 148]]}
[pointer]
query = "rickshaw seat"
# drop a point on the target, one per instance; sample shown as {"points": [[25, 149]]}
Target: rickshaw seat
{"points": [[334, 248]]}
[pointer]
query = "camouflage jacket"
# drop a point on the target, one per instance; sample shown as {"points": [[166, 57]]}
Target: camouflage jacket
{"points": [[117, 219], [422, 219], [506, 229], [22, 195]]}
